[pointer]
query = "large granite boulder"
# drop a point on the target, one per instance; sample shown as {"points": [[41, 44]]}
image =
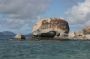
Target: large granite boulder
{"points": [[51, 27]]}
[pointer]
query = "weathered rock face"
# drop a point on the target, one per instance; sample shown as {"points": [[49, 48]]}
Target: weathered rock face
{"points": [[86, 30], [51, 27]]}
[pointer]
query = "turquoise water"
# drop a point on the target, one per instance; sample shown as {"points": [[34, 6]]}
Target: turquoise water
{"points": [[44, 49]]}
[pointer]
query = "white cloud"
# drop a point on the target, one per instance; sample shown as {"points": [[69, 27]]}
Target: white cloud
{"points": [[23, 8], [79, 14], [19, 13]]}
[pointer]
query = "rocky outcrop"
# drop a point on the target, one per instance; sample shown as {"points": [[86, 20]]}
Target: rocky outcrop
{"points": [[86, 30], [51, 27], [20, 37]]}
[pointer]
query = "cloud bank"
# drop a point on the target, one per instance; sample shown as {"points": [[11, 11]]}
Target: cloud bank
{"points": [[80, 13], [19, 13], [23, 8]]}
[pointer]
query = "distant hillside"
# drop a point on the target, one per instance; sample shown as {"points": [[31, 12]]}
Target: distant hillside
{"points": [[7, 33], [28, 35], [1, 33]]}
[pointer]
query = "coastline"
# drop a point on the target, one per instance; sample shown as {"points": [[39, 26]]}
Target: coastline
{"points": [[60, 39]]}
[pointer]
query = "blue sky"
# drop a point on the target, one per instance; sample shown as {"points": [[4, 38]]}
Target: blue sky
{"points": [[13, 16], [58, 9]]}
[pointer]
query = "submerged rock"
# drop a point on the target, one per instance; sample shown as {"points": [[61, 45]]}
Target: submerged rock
{"points": [[50, 27]]}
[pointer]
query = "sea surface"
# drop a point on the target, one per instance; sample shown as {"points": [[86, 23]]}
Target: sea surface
{"points": [[44, 49]]}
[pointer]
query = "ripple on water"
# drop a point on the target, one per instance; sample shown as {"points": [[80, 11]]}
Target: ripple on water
{"points": [[45, 49]]}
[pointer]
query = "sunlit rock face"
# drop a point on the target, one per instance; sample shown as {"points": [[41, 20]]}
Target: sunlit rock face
{"points": [[86, 30], [51, 27]]}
